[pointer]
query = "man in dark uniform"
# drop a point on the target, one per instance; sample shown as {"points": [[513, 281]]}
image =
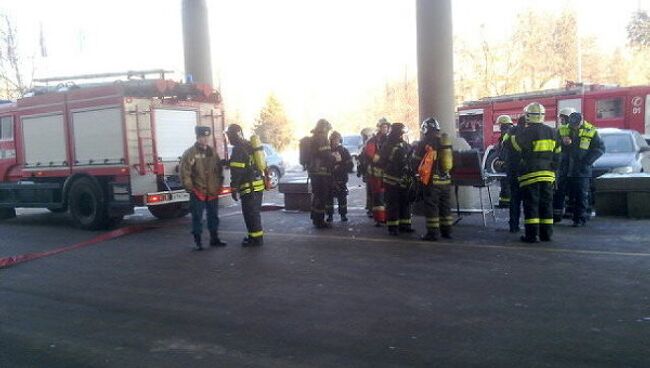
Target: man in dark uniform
{"points": [[540, 149], [394, 160], [247, 182], [363, 168], [320, 172], [202, 176], [437, 183], [505, 124], [511, 159], [581, 147], [342, 166]]}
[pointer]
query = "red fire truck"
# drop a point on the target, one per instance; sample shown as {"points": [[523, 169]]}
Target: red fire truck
{"points": [[604, 106], [99, 150]]}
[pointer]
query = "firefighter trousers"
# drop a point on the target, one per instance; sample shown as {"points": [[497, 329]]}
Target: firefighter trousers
{"points": [[251, 207], [579, 198], [504, 193], [340, 193], [437, 209], [398, 207], [515, 202], [538, 210], [321, 187], [378, 199]]}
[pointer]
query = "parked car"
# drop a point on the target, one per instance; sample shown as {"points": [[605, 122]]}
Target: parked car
{"points": [[274, 162], [626, 152]]}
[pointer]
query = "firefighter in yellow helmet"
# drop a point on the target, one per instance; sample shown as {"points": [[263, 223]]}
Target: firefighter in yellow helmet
{"points": [[505, 124], [540, 149]]}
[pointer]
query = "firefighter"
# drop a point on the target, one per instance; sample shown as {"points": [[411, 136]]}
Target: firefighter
{"points": [[202, 176], [375, 173], [434, 160], [247, 183], [393, 159], [320, 172], [362, 168], [539, 147], [510, 159], [581, 147], [562, 182], [505, 124], [342, 167]]}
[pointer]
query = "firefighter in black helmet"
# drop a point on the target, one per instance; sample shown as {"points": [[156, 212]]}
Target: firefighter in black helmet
{"points": [[505, 124], [539, 147], [320, 172], [342, 167], [394, 160], [433, 159], [247, 182]]}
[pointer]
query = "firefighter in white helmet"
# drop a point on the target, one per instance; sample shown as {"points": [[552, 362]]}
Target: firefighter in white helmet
{"points": [[505, 124], [563, 116], [540, 149]]}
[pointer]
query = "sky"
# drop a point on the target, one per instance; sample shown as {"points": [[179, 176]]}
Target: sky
{"points": [[321, 58]]}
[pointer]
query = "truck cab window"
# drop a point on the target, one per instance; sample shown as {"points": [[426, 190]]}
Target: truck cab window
{"points": [[6, 129], [609, 108]]}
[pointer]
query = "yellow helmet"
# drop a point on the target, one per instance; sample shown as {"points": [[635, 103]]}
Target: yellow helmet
{"points": [[535, 112], [504, 119]]}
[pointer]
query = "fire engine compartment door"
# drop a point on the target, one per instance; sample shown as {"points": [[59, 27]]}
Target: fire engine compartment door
{"points": [[98, 137], [647, 114], [44, 141], [174, 132]]}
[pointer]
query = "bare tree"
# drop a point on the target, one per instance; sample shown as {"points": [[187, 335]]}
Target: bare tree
{"points": [[13, 82]]}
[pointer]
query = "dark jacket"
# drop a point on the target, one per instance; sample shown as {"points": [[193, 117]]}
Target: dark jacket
{"points": [[343, 167], [539, 146], [508, 154], [201, 170], [245, 177], [322, 161], [585, 148], [394, 160]]}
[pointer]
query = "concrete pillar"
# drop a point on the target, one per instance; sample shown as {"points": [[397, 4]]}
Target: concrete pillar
{"points": [[436, 76], [196, 41], [436, 62]]}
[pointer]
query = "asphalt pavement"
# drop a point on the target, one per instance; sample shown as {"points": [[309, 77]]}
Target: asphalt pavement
{"points": [[350, 296]]}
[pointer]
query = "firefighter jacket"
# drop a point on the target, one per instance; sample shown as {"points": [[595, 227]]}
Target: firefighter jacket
{"points": [[585, 148], [322, 161], [343, 167], [441, 166], [508, 153], [245, 176], [371, 151], [394, 161], [201, 171], [540, 149]]}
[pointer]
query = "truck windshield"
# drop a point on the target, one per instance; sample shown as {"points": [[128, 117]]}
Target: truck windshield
{"points": [[618, 143]]}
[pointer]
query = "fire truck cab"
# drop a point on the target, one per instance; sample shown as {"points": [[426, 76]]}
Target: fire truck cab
{"points": [[100, 150], [603, 106]]}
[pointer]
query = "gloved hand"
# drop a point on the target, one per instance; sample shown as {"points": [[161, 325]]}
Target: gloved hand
{"points": [[234, 196]]}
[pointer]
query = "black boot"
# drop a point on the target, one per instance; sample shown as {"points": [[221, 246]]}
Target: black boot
{"points": [[530, 234], [431, 235], [406, 229], [445, 231], [197, 242], [215, 241], [330, 218], [344, 218], [392, 230]]}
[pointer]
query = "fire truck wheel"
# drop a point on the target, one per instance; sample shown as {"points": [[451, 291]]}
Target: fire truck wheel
{"points": [[492, 157], [7, 213], [170, 211], [87, 205]]}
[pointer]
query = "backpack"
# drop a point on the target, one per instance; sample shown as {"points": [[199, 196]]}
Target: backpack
{"points": [[305, 152]]}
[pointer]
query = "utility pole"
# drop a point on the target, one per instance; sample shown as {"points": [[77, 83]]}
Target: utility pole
{"points": [[196, 41]]}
